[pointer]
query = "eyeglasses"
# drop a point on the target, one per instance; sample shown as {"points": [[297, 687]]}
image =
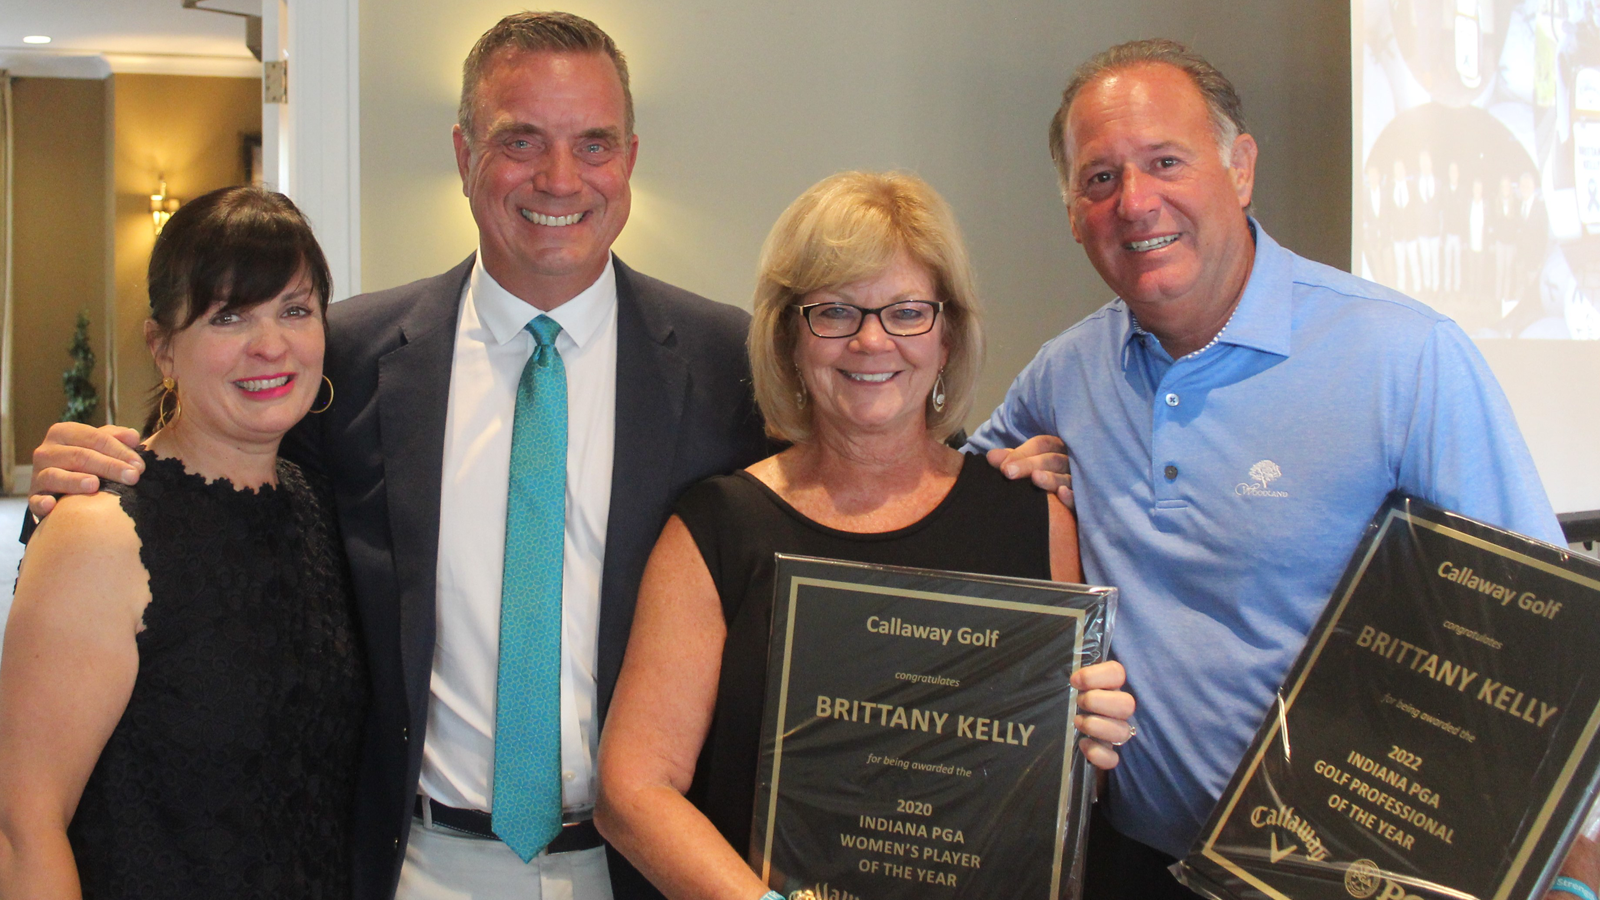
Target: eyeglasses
{"points": [[908, 318]]}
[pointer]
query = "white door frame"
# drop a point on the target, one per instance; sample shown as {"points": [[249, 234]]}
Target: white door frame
{"points": [[311, 145]]}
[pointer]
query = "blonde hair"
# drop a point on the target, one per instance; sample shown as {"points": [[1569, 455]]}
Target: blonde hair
{"points": [[845, 228]]}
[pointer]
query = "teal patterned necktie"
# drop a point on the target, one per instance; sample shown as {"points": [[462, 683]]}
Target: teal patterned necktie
{"points": [[527, 718]]}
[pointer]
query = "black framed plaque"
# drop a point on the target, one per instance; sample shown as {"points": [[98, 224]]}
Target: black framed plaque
{"points": [[918, 734], [1436, 737]]}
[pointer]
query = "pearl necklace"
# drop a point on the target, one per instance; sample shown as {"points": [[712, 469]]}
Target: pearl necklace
{"points": [[1209, 344], [1218, 336]]}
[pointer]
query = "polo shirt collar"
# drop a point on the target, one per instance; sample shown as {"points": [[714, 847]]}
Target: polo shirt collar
{"points": [[1261, 321], [506, 315]]}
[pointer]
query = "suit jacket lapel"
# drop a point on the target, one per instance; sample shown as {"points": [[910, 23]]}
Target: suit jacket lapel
{"points": [[413, 402], [651, 383]]}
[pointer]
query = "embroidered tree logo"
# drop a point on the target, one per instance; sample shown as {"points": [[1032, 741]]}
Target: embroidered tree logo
{"points": [[1264, 471]]}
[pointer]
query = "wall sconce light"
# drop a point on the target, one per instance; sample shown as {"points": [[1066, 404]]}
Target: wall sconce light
{"points": [[162, 207]]}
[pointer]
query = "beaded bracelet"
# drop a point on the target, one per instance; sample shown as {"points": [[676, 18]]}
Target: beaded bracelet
{"points": [[1563, 883]]}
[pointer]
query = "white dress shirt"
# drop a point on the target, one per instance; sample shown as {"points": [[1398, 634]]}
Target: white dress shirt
{"points": [[490, 351]]}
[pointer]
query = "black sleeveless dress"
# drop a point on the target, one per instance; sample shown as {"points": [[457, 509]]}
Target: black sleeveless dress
{"points": [[986, 524], [232, 771]]}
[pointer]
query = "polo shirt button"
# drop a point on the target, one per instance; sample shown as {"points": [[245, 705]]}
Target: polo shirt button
{"points": [[569, 775], [1171, 472], [1172, 400]]}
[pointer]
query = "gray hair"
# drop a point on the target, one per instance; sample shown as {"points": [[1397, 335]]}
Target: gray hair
{"points": [[1222, 101]]}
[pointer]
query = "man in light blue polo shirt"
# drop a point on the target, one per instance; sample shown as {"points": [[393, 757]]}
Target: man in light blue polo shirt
{"points": [[1234, 418]]}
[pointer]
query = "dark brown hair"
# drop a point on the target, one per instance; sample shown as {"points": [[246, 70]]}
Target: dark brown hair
{"points": [[537, 32], [238, 247]]}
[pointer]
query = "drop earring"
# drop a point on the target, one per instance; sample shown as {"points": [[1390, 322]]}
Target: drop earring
{"points": [[169, 388]]}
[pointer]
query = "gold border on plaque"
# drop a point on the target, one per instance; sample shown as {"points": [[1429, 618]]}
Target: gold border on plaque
{"points": [[799, 581], [1541, 821]]}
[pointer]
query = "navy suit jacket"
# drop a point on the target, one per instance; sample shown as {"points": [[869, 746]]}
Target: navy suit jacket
{"points": [[684, 412]]}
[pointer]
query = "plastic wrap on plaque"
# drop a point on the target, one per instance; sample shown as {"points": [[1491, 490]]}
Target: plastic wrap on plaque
{"points": [[918, 734], [1436, 736]]}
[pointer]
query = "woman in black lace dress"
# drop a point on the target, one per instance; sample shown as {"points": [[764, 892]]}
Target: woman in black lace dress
{"points": [[182, 682]]}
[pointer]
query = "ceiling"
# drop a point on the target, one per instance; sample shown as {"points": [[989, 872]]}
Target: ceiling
{"points": [[92, 38]]}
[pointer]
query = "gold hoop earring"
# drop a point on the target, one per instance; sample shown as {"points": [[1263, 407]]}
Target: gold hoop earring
{"points": [[938, 397], [169, 388], [330, 398]]}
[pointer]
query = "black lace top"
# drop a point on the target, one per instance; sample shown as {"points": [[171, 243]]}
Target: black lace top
{"points": [[232, 772]]}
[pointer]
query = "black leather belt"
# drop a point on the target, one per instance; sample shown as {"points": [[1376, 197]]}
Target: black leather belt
{"points": [[574, 835]]}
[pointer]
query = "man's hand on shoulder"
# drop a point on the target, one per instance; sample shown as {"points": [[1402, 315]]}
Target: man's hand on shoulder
{"points": [[73, 459], [1042, 458]]}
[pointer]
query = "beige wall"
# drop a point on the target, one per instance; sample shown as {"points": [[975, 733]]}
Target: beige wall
{"points": [[58, 257], [742, 105], [189, 129]]}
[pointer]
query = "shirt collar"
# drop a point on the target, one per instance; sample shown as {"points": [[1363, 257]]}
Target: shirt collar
{"points": [[506, 315], [1261, 320]]}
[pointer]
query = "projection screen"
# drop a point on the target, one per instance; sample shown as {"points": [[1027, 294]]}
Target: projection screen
{"points": [[1476, 189]]}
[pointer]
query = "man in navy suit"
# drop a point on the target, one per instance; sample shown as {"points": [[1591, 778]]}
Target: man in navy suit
{"points": [[417, 445]]}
